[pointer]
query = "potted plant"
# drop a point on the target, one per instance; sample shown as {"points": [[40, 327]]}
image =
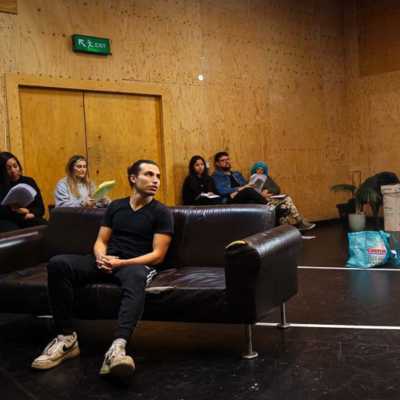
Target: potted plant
{"points": [[366, 193]]}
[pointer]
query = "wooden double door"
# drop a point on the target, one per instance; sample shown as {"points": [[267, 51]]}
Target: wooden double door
{"points": [[110, 129]]}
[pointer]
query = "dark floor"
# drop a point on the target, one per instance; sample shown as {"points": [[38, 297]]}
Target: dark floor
{"points": [[328, 249], [201, 361]]}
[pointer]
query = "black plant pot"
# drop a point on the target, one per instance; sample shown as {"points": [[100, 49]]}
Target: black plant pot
{"points": [[344, 210]]}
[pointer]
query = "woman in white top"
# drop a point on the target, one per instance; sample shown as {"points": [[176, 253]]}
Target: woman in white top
{"points": [[76, 189]]}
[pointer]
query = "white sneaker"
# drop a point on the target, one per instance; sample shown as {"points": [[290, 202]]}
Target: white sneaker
{"points": [[304, 225], [117, 363], [59, 349]]}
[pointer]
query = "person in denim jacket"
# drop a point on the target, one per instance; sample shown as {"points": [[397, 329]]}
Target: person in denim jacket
{"points": [[231, 185]]}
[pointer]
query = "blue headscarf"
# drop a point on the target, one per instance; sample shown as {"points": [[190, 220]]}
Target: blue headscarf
{"points": [[259, 164]]}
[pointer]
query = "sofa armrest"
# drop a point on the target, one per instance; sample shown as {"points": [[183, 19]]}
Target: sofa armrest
{"points": [[261, 272], [22, 249]]}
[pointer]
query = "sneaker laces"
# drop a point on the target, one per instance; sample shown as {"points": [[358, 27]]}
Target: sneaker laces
{"points": [[53, 343], [114, 351], [58, 339]]}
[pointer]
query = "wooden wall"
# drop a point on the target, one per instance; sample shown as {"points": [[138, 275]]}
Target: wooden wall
{"points": [[274, 77], [8, 6], [373, 85]]}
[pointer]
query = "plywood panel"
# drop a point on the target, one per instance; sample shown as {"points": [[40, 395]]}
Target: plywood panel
{"points": [[8, 6], [373, 85], [52, 131], [273, 76], [121, 129], [379, 43], [7, 64]]}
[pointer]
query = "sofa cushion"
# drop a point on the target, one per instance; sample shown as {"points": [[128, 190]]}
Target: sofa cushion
{"points": [[21, 249], [185, 294], [72, 230], [201, 233], [208, 230], [25, 291]]}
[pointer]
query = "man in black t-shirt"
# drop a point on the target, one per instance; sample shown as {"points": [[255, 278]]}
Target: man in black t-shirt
{"points": [[134, 237]]}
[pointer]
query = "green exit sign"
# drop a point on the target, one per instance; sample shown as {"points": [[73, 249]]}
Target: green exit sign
{"points": [[91, 44]]}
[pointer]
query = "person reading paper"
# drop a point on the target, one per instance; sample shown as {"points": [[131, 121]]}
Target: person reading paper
{"points": [[76, 189], [16, 216], [287, 212], [198, 187]]}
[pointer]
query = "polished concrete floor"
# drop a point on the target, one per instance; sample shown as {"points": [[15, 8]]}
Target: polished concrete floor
{"points": [[344, 344]]}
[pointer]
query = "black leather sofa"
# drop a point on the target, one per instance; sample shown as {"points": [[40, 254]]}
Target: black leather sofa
{"points": [[226, 264]]}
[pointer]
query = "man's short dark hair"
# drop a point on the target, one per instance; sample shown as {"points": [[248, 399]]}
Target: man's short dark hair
{"points": [[134, 169], [219, 155]]}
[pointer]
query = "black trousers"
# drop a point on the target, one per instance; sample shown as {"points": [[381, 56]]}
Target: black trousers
{"points": [[247, 196], [67, 272], [204, 201]]}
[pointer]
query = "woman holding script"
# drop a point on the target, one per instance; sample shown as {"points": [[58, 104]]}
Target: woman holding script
{"points": [[76, 189], [199, 188], [21, 204], [287, 212]]}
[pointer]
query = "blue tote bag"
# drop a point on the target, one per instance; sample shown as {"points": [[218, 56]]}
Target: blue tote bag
{"points": [[369, 249]]}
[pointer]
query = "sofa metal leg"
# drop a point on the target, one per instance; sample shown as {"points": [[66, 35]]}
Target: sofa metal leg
{"points": [[250, 353], [284, 324]]}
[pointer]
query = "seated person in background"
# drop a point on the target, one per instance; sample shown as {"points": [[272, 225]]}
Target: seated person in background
{"points": [[287, 212], [269, 187], [231, 185], [133, 239], [198, 187], [76, 189], [14, 216]]}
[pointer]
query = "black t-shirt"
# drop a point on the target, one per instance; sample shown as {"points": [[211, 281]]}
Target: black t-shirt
{"points": [[133, 231]]}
